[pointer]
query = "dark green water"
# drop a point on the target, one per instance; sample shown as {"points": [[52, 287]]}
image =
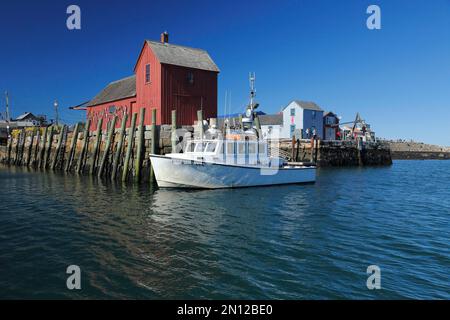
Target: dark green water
{"points": [[290, 242]]}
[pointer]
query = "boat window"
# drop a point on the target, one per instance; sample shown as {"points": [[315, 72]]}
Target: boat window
{"points": [[241, 148], [200, 147], [230, 147], [252, 148], [211, 147], [219, 148], [190, 147]]}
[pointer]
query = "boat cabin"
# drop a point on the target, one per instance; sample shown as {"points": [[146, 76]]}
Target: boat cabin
{"points": [[247, 152]]}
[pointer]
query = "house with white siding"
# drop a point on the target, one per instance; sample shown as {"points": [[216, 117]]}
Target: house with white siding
{"points": [[271, 125]]}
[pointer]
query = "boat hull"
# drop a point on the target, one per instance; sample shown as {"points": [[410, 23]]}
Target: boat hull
{"points": [[176, 173]]}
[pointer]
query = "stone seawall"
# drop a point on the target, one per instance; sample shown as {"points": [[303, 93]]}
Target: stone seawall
{"points": [[338, 153]]}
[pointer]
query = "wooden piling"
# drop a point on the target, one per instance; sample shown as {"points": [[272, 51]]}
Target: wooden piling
{"points": [[84, 149], [119, 147], [36, 147], [42, 147], [58, 147], [49, 148], [95, 152], [110, 138], [293, 148], [23, 135], [9, 148], [140, 144], [129, 147], [200, 122], [17, 148], [153, 138], [30, 148], [73, 146], [173, 131], [316, 152]]}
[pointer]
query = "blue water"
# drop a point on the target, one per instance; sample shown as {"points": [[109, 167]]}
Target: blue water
{"points": [[289, 242]]}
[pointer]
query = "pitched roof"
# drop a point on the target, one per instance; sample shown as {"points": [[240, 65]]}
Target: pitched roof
{"points": [[24, 115], [307, 105], [264, 120], [330, 113], [182, 56], [271, 119], [120, 89], [81, 106]]}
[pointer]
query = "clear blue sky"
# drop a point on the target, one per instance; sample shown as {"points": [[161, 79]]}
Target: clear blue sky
{"points": [[398, 77]]}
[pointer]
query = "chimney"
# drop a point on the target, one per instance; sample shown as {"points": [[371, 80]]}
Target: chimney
{"points": [[164, 37]]}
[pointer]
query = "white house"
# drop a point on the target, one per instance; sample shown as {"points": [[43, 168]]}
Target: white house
{"points": [[271, 125], [303, 116]]}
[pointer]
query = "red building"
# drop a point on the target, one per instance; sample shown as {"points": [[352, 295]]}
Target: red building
{"points": [[166, 77]]}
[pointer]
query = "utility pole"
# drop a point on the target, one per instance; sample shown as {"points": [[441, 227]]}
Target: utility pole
{"points": [[55, 104], [7, 112]]}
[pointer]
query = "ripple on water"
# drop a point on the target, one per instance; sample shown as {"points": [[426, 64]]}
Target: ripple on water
{"points": [[287, 242]]}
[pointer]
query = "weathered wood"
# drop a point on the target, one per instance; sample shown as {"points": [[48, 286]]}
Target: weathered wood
{"points": [[316, 153], [95, 152], [293, 148], [20, 155], [30, 148], [129, 147], [9, 148], [140, 143], [49, 149], [200, 123], [109, 140], [17, 149], [173, 131], [84, 149], [73, 146], [42, 147], [119, 147], [36, 147], [153, 139], [58, 147]]}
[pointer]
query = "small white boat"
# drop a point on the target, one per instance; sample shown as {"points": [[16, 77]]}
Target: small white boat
{"points": [[221, 165], [238, 160]]}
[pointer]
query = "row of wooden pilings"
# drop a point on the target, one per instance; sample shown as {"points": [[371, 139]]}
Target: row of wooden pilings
{"points": [[114, 162]]}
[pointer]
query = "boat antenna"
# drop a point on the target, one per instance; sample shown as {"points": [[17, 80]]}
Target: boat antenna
{"points": [[248, 120], [252, 78]]}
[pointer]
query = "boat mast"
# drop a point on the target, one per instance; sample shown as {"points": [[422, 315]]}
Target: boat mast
{"points": [[248, 120], [252, 88]]}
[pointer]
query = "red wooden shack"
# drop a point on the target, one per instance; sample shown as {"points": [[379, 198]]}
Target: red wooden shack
{"points": [[166, 77]]}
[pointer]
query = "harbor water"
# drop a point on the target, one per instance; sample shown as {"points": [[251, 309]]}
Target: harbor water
{"points": [[286, 242]]}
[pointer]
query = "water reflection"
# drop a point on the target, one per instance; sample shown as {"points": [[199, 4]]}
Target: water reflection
{"points": [[275, 242]]}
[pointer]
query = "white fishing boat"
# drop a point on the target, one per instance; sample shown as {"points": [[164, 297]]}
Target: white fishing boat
{"points": [[237, 159]]}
